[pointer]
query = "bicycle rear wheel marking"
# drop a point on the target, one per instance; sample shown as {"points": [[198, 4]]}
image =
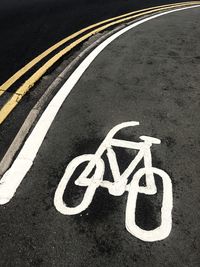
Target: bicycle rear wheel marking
{"points": [[90, 191]]}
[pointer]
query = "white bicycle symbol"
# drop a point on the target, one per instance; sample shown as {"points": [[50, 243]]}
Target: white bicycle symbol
{"points": [[120, 184]]}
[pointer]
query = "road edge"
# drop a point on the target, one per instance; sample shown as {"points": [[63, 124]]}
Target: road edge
{"points": [[35, 114]]}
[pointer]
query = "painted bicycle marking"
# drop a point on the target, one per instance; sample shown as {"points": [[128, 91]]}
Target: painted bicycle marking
{"points": [[121, 184]]}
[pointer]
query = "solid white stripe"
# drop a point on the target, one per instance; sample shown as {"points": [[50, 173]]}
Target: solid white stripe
{"points": [[14, 176]]}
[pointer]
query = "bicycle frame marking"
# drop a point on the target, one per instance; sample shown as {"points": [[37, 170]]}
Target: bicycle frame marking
{"points": [[120, 184]]}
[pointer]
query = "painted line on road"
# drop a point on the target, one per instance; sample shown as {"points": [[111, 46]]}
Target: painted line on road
{"points": [[21, 91], [37, 59], [30, 120], [23, 162]]}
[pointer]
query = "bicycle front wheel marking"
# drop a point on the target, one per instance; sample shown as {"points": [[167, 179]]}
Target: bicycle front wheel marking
{"points": [[164, 229]]}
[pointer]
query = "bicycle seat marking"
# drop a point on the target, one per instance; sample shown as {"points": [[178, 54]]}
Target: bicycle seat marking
{"points": [[121, 184]]}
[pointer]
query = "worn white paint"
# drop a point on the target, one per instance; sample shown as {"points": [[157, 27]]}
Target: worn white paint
{"points": [[164, 229], [22, 164], [120, 182]]}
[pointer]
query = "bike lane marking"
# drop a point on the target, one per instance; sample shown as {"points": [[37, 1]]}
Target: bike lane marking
{"points": [[24, 160], [29, 83], [120, 184]]}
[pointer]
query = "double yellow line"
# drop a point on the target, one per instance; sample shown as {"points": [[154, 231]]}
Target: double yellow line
{"points": [[29, 83]]}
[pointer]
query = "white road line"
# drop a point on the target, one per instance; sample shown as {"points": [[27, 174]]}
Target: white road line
{"points": [[22, 164]]}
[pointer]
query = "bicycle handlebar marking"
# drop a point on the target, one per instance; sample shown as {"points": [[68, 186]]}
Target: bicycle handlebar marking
{"points": [[120, 184]]}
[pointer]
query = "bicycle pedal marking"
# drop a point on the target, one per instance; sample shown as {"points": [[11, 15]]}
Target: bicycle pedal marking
{"points": [[120, 184]]}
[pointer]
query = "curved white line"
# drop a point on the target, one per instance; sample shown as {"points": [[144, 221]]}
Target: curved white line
{"points": [[22, 164]]}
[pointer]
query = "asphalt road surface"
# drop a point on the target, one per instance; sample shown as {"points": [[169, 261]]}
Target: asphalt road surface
{"points": [[149, 74], [30, 27]]}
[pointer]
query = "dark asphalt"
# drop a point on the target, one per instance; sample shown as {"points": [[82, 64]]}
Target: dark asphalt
{"points": [[30, 27], [151, 75]]}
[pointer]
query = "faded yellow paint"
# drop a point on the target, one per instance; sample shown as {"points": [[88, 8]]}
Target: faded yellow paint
{"points": [[22, 90], [37, 59]]}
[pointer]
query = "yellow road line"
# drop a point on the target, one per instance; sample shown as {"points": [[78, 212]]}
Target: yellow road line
{"points": [[21, 91], [37, 59]]}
